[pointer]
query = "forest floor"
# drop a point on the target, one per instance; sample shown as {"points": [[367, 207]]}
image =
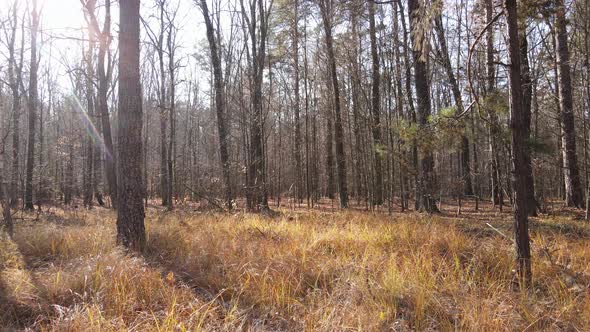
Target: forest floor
{"points": [[313, 270]]}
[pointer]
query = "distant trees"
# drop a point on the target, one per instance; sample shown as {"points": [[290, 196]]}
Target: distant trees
{"points": [[130, 210], [379, 103]]}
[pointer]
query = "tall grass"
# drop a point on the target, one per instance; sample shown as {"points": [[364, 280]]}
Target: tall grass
{"points": [[310, 270]]}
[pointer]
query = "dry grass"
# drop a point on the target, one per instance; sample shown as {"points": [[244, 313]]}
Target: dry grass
{"points": [[305, 270]]}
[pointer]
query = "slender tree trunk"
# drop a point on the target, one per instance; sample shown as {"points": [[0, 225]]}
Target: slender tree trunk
{"points": [[375, 104], [130, 213], [493, 125], [297, 171], [15, 77], [519, 158], [103, 107], [573, 187], [527, 90], [219, 105], [90, 128], [326, 7], [32, 103]]}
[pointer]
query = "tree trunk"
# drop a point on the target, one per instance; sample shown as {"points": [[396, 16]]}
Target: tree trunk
{"points": [[519, 150], [297, 171], [32, 103], [573, 188], [527, 90], [375, 103], [14, 78], [493, 125], [219, 105], [130, 213], [426, 181], [102, 102], [326, 7]]}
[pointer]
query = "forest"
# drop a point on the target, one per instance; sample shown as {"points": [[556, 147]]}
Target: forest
{"points": [[295, 165]]}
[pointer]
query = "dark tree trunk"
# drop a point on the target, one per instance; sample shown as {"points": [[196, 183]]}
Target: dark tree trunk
{"points": [[130, 213], [329, 156], [519, 150], [375, 105], [257, 167], [219, 105], [410, 100], [426, 181], [32, 103], [326, 7], [493, 125], [297, 171], [573, 187]]}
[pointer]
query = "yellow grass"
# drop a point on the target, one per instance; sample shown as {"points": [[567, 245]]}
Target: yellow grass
{"points": [[305, 270]]}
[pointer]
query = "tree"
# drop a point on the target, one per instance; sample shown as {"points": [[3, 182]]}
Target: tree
{"points": [[32, 105], [297, 103], [426, 181], [527, 89], [130, 212], [256, 18], [519, 150], [104, 74], [464, 147], [15, 70], [222, 129], [327, 12], [573, 187], [375, 103]]}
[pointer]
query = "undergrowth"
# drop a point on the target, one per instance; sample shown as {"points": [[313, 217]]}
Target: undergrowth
{"points": [[304, 270]]}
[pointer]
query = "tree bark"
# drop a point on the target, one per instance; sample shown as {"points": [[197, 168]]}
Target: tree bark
{"points": [[104, 38], [426, 181], [519, 150], [32, 104], [527, 90], [326, 7], [219, 105], [573, 188], [375, 105], [130, 213]]}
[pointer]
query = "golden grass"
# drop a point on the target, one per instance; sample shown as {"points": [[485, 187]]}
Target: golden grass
{"points": [[305, 270]]}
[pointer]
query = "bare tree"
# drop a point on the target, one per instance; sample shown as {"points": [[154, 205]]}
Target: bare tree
{"points": [[219, 103], [426, 182], [327, 12], [103, 72], [519, 151], [256, 16], [32, 105], [573, 187], [130, 212]]}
